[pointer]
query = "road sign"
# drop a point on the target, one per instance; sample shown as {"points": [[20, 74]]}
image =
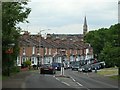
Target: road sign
{"points": [[9, 51]]}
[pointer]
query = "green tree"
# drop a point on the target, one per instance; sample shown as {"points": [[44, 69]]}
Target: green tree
{"points": [[106, 44], [97, 39], [12, 14], [106, 55]]}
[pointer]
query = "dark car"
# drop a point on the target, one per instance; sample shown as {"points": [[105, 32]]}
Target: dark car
{"points": [[47, 69], [87, 68], [102, 65], [96, 66], [57, 66], [75, 66]]}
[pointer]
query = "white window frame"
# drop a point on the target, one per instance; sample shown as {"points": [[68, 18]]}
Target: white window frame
{"points": [[49, 51], [45, 51], [24, 51]]}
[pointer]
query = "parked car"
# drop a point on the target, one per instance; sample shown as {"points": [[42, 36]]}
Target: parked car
{"points": [[66, 65], [96, 66], [102, 64], [75, 66], [47, 69], [87, 68], [80, 69], [57, 66]]}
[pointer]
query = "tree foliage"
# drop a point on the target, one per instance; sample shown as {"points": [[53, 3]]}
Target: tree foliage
{"points": [[106, 44], [27, 63], [97, 39], [12, 14]]}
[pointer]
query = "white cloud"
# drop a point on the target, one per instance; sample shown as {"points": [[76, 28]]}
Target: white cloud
{"points": [[65, 29], [66, 16], [71, 29]]}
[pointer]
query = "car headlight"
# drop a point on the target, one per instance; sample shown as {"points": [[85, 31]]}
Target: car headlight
{"points": [[89, 68], [55, 67]]}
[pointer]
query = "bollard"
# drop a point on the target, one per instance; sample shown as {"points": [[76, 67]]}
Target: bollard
{"points": [[95, 70]]}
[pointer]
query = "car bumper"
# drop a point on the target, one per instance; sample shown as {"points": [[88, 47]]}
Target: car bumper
{"points": [[47, 71]]}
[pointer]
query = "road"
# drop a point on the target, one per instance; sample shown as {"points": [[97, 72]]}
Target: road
{"points": [[77, 80], [37, 80], [92, 81]]}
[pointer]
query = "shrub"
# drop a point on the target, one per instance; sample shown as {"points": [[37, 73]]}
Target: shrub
{"points": [[27, 63]]}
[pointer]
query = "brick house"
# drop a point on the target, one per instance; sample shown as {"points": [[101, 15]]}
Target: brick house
{"points": [[41, 50]]}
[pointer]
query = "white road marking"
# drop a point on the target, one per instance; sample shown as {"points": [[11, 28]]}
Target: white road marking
{"points": [[58, 79], [66, 83], [79, 84], [62, 81], [23, 85], [76, 81], [73, 79]]}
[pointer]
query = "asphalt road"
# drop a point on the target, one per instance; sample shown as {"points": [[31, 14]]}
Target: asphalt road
{"points": [[38, 80], [77, 80], [92, 81], [47, 81]]}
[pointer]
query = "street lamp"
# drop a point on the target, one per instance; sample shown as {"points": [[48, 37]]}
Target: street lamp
{"points": [[83, 55], [9, 51], [40, 44], [62, 68], [38, 58], [43, 30]]}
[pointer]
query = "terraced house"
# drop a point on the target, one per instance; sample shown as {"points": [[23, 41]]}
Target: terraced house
{"points": [[40, 50]]}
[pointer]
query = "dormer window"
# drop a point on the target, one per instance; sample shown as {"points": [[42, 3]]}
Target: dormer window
{"points": [[23, 50], [71, 39], [57, 37]]}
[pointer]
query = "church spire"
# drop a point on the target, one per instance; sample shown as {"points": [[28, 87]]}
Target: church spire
{"points": [[85, 26]]}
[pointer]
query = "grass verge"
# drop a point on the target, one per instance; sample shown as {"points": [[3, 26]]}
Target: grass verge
{"points": [[108, 71], [111, 72], [116, 77]]}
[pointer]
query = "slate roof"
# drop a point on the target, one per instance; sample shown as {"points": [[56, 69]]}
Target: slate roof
{"points": [[63, 41]]}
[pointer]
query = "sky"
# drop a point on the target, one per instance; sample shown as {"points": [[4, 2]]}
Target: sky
{"points": [[67, 16], [119, 12]]}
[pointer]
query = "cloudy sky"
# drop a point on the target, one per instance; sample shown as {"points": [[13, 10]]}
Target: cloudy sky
{"points": [[67, 16]]}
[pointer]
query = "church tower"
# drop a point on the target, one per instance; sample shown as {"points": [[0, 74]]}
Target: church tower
{"points": [[85, 29]]}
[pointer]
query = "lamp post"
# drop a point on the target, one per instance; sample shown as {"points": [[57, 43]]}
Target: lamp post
{"points": [[40, 44], [62, 68], [38, 62], [83, 55], [9, 51]]}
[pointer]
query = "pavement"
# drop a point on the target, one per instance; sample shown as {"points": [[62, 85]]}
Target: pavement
{"points": [[17, 80]]}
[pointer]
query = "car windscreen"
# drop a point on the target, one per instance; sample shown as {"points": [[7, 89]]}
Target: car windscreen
{"points": [[46, 65], [56, 64]]}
